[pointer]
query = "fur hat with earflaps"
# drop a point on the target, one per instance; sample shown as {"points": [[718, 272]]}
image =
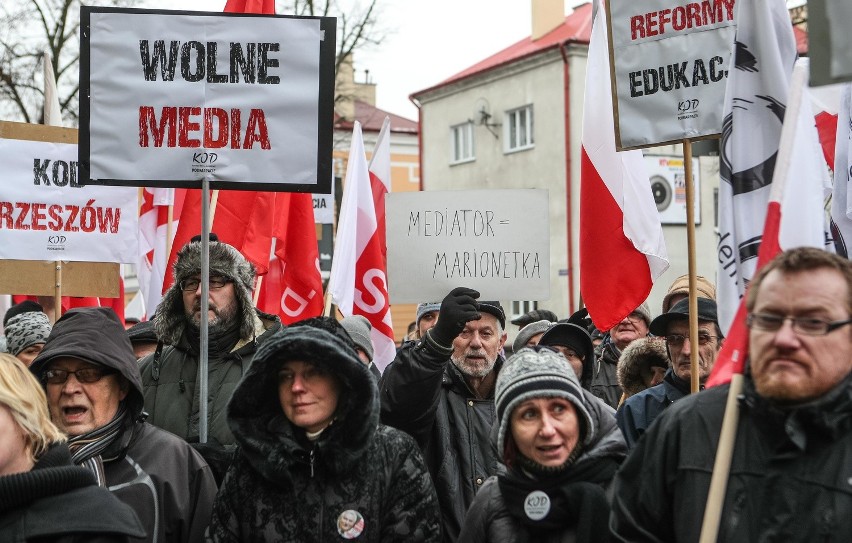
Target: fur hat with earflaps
{"points": [[225, 261]]}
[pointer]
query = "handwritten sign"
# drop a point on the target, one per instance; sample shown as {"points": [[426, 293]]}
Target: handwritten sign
{"points": [[670, 61], [495, 241], [169, 98], [47, 214]]}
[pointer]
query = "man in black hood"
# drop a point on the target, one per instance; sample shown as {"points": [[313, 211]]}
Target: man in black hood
{"points": [[94, 393], [170, 375]]}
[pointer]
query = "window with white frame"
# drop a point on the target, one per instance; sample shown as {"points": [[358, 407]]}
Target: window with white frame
{"points": [[521, 307], [519, 129], [462, 141]]}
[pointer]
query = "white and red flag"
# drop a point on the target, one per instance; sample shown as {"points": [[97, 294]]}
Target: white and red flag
{"points": [[622, 249], [795, 213], [293, 287], [153, 245], [764, 52], [358, 283]]}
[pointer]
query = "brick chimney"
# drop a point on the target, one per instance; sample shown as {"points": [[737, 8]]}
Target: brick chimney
{"points": [[546, 15]]}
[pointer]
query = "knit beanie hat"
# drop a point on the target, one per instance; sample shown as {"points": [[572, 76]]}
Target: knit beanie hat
{"points": [[705, 289], [426, 307], [528, 331], [645, 311], [537, 374], [358, 328], [225, 261], [26, 329]]}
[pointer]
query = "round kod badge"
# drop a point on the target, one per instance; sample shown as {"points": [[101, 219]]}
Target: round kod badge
{"points": [[537, 505], [350, 524]]}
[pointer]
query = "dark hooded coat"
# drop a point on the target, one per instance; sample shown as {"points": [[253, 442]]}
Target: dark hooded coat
{"points": [[604, 383], [489, 519], [283, 487], [167, 483], [425, 395], [54, 502], [789, 479]]}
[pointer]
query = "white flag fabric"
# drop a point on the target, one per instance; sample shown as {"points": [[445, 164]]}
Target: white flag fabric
{"points": [[622, 248], [358, 282], [755, 101], [841, 199], [52, 110]]}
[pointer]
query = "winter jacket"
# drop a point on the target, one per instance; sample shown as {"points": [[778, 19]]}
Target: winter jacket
{"points": [[640, 410], [166, 482], [283, 487], [425, 395], [605, 379], [789, 481], [489, 519], [171, 380], [55, 501]]}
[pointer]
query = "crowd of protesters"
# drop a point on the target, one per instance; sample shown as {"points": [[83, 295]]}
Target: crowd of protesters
{"points": [[568, 433]]}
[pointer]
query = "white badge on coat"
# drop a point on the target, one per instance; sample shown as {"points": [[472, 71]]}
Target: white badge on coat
{"points": [[537, 505], [350, 524]]}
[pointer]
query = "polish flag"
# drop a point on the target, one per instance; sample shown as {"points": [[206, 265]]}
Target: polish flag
{"points": [[293, 287], [795, 214], [358, 283], [622, 249], [153, 245]]}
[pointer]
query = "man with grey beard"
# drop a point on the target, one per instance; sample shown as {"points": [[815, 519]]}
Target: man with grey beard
{"points": [[441, 391], [235, 328]]}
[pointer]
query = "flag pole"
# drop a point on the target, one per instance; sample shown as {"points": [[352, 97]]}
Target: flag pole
{"points": [[722, 464], [57, 291], [205, 294], [690, 243]]}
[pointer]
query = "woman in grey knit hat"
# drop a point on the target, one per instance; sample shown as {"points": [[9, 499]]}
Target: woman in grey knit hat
{"points": [[26, 331], [561, 448]]}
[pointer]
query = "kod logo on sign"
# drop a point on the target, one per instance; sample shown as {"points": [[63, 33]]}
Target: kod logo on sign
{"points": [[204, 158], [687, 105], [56, 240]]}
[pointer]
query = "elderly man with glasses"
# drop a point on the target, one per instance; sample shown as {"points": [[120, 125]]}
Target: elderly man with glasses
{"points": [[791, 476], [235, 328], [639, 411], [94, 394]]}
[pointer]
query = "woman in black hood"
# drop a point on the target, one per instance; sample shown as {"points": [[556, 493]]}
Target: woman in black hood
{"points": [[314, 463]]}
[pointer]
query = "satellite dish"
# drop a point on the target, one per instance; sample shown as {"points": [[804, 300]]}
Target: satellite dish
{"points": [[481, 111]]}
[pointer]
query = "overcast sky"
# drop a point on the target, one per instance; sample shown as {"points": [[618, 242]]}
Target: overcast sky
{"points": [[426, 42]]}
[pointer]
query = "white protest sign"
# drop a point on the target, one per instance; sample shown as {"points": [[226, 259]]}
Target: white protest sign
{"points": [[670, 61], [46, 214], [494, 241], [169, 98]]}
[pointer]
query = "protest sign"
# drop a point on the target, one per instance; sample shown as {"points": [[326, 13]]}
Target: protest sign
{"points": [[47, 214], [829, 41], [669, 67], [494, 241], [169, 98]]}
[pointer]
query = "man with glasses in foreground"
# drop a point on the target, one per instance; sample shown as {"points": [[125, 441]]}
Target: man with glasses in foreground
{"points": [[639, 411], [235, 328], [791, 476], [94, 394]]}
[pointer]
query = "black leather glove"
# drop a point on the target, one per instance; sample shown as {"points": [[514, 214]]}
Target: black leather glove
{"points": [[457, 308]]}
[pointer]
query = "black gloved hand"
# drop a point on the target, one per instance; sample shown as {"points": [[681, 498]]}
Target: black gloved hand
{"points": [[457, 308]]}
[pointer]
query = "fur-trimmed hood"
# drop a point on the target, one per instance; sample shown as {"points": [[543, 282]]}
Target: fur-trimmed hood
{"points": [[269, 442], [637, 357], [225, 260]]}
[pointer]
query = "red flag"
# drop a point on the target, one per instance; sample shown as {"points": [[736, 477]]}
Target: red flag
{"points": [[250, 6], [293, 288], [622, 249], [358, 283], [795, 214]]}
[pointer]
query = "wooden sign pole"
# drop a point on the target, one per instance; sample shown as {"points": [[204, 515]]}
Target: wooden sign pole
{"points": [[690, 243]]}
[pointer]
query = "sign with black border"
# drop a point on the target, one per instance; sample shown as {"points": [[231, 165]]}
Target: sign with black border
{"points": [[169, 98]]}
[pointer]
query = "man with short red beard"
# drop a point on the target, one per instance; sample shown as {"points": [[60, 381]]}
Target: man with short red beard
{"points": [[791, 476], [440, 390], [235, 329], [605, 377]]}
